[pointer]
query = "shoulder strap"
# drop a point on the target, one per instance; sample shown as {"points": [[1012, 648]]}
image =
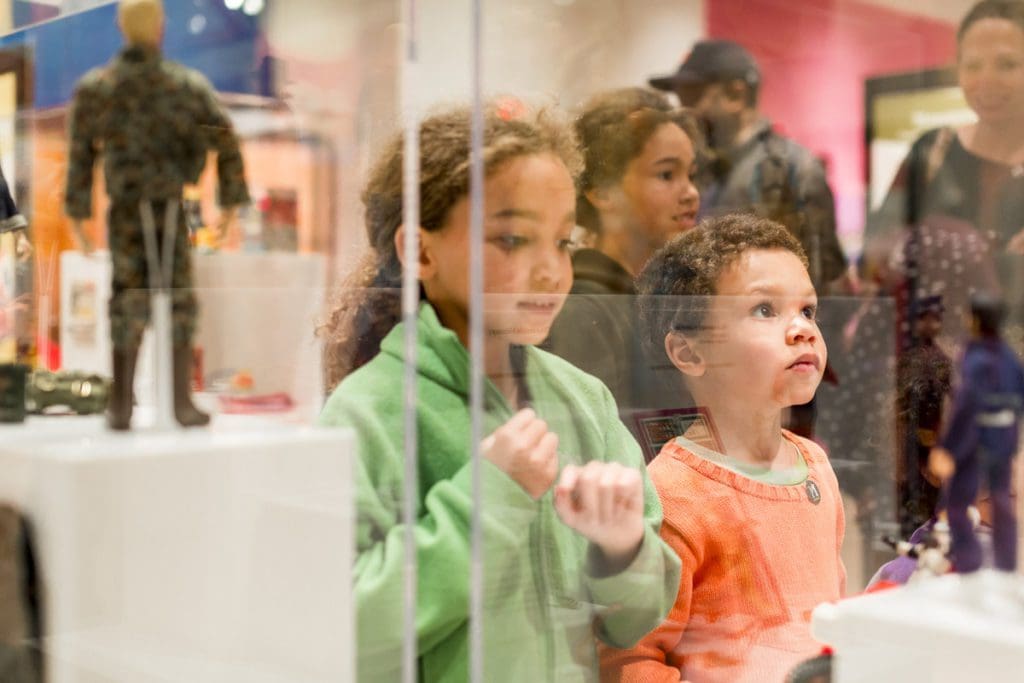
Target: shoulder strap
{"points": [[937, 153], [773, 184]]}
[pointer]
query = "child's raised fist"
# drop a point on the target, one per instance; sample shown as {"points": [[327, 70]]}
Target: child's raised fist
{"points": [[604, 501], [526, 451]]}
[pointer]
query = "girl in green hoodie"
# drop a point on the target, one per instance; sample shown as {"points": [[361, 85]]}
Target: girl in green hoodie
{"points": [[570, 520]]}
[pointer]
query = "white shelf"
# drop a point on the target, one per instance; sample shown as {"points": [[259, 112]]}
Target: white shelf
{"points": [[942, 630], [215, 554]]}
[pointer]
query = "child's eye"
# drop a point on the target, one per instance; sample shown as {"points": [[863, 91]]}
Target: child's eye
{"points": [[1008, 64], [810, 312], [566, 245], [510, 242], [666, 175], [763, 310]]}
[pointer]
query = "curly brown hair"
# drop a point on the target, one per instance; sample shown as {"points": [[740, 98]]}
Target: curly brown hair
{"points": [[368, 304], [676, 286], [613, 128]]}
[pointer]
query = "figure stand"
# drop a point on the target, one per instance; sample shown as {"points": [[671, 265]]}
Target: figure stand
{"points": [[160, 267]]}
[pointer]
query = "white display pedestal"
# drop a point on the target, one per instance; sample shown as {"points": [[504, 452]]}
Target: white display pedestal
{"points": [[210, 555], [257, 313], [948, 629]]}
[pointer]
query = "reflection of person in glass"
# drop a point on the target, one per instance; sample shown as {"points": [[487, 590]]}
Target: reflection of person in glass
{"points": [[981, 439], [636, 192], [153, 121], [755, 514], [570, 521], [954, 216], [756, 169]]}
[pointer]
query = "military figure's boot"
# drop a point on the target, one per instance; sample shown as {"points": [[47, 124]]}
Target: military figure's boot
{"points": [[119, 407], [186, 412]]}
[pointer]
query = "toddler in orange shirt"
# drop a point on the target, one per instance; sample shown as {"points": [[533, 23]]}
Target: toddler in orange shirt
{"points": [[753, 511]]}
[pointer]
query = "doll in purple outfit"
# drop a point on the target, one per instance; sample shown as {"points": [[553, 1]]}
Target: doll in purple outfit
{"points": [[980, 439]]}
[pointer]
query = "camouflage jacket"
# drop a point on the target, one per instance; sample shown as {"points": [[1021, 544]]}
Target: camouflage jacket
{"points": [[153, 121], [773, 176]]}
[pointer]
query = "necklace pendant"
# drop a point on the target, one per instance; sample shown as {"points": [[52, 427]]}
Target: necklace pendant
{"points": [[813, 494]]}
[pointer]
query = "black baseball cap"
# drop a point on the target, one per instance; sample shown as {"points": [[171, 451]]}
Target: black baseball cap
{"points": [[712, 61]]}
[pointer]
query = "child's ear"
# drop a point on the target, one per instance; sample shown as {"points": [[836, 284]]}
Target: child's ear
{"points": [[683, 353], [427, 264]]}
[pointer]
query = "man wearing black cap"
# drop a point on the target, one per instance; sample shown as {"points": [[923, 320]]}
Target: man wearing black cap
{"points": [[755, 168]]}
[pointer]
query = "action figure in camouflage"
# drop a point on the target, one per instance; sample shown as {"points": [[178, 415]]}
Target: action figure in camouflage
{"points": [[154, 122]]}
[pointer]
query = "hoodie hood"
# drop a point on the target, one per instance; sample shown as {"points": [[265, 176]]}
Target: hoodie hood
{"points": [[440, 356]]}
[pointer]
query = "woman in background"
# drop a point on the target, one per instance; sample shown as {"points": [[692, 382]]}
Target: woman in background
{"points": [[953, 220]]}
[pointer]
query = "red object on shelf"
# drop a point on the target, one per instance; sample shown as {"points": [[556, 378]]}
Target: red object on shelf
{"points": [[880, 586], [251, 405], [197, 368]]}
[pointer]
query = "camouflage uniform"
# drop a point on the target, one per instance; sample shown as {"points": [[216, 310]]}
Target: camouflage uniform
{"points": [[153, 121], [775, 177]]}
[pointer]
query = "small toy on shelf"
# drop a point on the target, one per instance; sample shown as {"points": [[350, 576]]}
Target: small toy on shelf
{"points": [[929, 553], [81, 393]]}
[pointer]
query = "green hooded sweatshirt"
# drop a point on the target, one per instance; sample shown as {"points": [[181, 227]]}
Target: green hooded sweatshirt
{"points": [[544, 602]]}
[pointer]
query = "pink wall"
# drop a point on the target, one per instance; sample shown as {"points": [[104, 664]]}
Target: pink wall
{"points": [[814, 56]]}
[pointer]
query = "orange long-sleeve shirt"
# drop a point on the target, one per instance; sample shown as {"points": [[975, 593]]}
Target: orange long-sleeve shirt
{"points": [[757, 558]]}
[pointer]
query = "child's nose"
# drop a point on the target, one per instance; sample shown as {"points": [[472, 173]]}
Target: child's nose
{"points": [[801, 329], [689, 194], [547, 271]]}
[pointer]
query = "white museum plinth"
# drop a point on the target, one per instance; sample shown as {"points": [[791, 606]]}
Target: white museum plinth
{"points": [[218, 554]]}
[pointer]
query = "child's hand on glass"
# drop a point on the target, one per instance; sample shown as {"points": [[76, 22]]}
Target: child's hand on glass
{"points": [[526, 451], [604, 501]]}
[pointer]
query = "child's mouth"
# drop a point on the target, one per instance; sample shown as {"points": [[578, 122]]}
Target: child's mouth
{"points": [[806, 363], [686, 220], [544, 307]]}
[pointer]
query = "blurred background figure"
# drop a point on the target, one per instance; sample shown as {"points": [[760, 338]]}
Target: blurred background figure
{"points": [[951, 225], [756, 169], [953, 219], [636, 192]]}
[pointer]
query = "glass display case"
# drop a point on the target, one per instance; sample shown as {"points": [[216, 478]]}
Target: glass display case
{"points": [[471, 340]]}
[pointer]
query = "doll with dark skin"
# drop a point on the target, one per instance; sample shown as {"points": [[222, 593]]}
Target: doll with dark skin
{"points": [[980, 439]]}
